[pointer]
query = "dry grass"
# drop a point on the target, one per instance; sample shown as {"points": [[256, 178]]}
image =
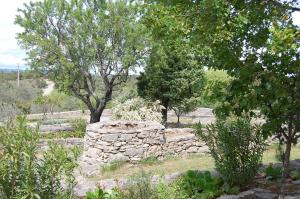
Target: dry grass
{"points": [[172, 165]]}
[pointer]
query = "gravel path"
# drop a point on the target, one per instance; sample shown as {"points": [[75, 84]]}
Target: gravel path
{"points": [[49, 88]]}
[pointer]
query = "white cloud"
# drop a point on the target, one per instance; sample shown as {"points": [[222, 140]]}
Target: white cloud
{"points": [[10, 52]]}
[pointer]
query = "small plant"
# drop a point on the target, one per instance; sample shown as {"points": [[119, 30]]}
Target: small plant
{"points": [[273, 173], [54, 121], [23, 174], [79, 124], [236, 147], [198, 184], [113, 166], [170, 191], [151, 160], [98, 193], [139, 186], [295, 175], [62, 134]]}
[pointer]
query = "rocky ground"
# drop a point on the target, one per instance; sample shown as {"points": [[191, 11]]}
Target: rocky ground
{"points": [[260, 189]]}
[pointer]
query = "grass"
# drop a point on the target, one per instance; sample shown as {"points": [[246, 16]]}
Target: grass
{"points": [[113, 166], [151, 160], [62, 134], [176, 164]]}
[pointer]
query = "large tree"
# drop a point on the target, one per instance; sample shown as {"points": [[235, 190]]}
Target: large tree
{"points": [[86, 47], [257, 44], [172, 74]]}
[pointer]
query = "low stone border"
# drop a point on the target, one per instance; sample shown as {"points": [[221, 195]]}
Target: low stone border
{"points": [[67, 142]]}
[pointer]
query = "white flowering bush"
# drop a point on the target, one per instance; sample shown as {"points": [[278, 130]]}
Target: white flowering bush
{"points": [[137, 109]]}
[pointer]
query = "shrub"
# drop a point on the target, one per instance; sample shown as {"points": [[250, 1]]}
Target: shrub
{"points": [[139, 186], [273, 173], [198, 184], [295, 175], [79, 125], [24, 174], [98, 193], [137, 109], [40, 83], [236, 147]]}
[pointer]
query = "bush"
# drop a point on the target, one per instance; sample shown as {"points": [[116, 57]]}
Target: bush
{"points": [[137, 109], [198, 184], [273, 173], [79, 125], [139, 186], [25, 174], [170, 191], [98, 193], [236, 147]]}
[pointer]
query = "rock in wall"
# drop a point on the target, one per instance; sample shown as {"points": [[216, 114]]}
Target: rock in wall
{"points": [[120, 140], [131, 141]]}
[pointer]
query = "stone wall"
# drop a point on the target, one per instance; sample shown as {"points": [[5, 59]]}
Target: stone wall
{"points": [[182, 141], [105, 142], [120, 140]]}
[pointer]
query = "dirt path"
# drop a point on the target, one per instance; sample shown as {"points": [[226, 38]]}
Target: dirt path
{"points": [[49, 88]]}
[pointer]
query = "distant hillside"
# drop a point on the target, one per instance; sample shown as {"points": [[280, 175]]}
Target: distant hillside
{"points": [[8, 70]]}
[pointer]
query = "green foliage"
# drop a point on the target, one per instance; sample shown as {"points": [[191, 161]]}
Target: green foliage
{"points": [[139, 186], [185, 106], [63, 134], [85, 42], [193, 184], [273, 173], [257, 44], [79, 124], [217, 82], [113, 166], [202, 185], [25, 175], [172, 73], [97, 194], [24, 75], [40, 83], [295, 175], [170, 191], [236, 147], [17, 99], [151, 160]]}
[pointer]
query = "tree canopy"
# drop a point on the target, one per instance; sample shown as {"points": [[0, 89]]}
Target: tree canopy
{"points": [[172, 73], [257, 44], [81, 43]]}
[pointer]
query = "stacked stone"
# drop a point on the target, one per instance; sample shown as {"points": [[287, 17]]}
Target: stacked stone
{"points": [[181, 142], [121, 140]]}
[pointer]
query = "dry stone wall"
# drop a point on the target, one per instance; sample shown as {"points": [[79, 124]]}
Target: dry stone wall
{"points": [[106, 142], [182, 141]]}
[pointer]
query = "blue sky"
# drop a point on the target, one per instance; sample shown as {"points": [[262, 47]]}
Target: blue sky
{"points": [[10, 52]]}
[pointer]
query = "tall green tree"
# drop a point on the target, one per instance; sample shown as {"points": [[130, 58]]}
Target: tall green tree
{"points": [[172, 73], [257, 44], [86, 47]]}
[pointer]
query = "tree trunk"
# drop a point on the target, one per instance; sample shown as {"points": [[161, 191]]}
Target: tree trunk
{"points": [[285, 167], [287, 155], [164, 113], [96, 114], [178, 121]]}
